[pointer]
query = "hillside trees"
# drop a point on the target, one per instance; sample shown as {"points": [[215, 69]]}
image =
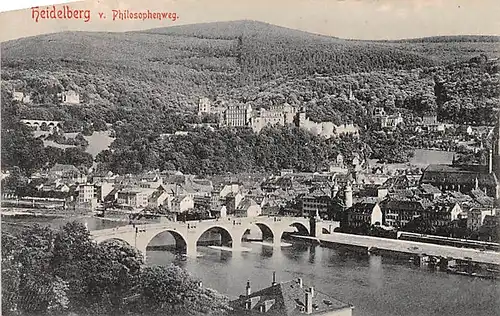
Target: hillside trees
{"points": [[205, 152]]}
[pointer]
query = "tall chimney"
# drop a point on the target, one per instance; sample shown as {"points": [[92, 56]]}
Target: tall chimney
{"points": [[248, 288], [309, 303], [311, 290], [274, 278]]}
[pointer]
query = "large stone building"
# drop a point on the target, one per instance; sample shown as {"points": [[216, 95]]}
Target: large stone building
{"points": [[364, 214], [204, 106], [386, 121], [461, 178], [325, 129], [465, 178], [275, 116], [237, 115], [242, 115], [87, 196], [399, 212]]}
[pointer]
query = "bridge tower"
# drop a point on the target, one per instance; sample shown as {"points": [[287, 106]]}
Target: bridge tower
{"points": [[315, 227]]}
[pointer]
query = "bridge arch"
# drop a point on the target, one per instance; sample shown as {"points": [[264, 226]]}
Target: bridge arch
{"points": [[180, 239], [228, 236], [268, 232], [301, 227]]}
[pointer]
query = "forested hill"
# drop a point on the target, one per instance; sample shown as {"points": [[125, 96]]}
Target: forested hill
{"points": [[139, 76], [149, 82], [258, 50]]}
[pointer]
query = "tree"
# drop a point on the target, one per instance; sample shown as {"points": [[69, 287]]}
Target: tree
{"points": [[39, 290], [172, 291], [20, 148], [15, 182], [54, 272], [77, 157]]}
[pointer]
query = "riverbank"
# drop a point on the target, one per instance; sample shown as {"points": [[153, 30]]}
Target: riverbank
{"points": [[405, 247]]}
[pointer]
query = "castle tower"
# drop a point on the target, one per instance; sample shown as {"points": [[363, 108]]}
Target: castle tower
{"points": [[302, 116], [204, 106]]}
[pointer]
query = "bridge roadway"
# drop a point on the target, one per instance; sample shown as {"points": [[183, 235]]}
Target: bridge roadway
{"points": [[232, 230], [412, 247]]}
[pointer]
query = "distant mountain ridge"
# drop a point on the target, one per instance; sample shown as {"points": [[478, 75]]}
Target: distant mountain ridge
{"points": [[236, 28], [450, 38]]}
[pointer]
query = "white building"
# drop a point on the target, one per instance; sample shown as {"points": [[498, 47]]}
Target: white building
{"points": [[69, 97], [87, 196], [182, 203]]}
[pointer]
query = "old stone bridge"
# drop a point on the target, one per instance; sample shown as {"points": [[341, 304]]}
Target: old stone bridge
{"points": [[232, 230]]}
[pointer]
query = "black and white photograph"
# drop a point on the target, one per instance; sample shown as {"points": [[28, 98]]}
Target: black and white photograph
{"points": [[250, 157]]}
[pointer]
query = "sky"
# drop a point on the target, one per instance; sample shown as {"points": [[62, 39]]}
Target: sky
{"points": [[356, 19]]}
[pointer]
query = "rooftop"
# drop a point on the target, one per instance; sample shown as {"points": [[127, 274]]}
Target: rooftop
{"points": [[363, 208], [458, 175], [286, 299]]}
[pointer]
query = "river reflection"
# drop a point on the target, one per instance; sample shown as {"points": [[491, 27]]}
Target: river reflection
{"points": [[374, 285]]}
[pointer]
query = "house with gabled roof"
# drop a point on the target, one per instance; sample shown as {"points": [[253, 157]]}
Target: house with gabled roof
{"points": [[248, 208], [462, 178], [400, 211], [289, 299], [364, 213], [181, 204], [68, 173]]}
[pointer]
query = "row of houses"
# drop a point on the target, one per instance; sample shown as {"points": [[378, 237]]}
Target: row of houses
{"points": [[394, 203]]}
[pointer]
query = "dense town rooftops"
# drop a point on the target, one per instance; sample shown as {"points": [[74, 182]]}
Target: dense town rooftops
{"points": [[364, 208], [464, 175], [246, 203], [408, 205], [429, 189]]}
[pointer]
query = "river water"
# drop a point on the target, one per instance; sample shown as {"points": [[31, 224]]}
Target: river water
{"points": [[375, 285]]}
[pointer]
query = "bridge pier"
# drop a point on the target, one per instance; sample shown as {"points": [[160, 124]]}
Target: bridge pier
{"points": [[277, 238], [191, 250], [236, 244]]}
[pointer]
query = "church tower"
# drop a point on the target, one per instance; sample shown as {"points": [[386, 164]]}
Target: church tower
{"points": [[351, 95]]}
